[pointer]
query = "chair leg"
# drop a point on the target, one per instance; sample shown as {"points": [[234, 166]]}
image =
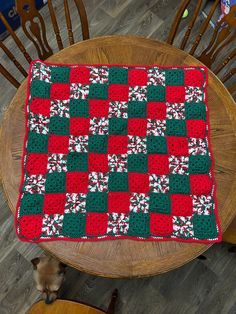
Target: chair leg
{"points": [[232, 249], [111, 307]]}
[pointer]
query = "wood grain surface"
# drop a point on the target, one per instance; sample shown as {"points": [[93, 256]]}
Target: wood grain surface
{"points": [[126, 258]]}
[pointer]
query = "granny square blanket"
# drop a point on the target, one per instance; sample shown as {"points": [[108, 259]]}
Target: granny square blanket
{"points": [[117, 151]]}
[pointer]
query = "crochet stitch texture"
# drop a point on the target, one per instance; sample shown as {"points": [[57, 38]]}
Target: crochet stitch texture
{"points": [[117, 152]]}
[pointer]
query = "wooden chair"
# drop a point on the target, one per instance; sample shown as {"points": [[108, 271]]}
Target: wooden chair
{"points": [[34, 28], [223, 35], [71, 307]]}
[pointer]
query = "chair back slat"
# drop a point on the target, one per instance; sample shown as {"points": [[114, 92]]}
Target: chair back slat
{"points": [[15, 38], [232, 89], [55, 25], [83, 18], [8, 76], [13, 59], [225, 62], [229, 75], [68, 23], [36, 30]]}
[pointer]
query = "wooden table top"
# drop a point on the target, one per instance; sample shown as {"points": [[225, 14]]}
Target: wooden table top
{"points": [[127, 258]]}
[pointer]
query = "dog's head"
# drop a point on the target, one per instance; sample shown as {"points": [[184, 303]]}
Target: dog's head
{"points": [[48, 275]]}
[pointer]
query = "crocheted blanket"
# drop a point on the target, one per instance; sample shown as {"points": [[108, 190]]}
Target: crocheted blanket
{"points": [[114, 151]]}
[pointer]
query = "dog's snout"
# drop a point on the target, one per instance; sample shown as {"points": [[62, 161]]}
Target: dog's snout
{"points": [[49, 297]]}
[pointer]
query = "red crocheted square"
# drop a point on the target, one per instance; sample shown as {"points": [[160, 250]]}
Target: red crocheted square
{"points": [[158, 164], [96, 224], [118, 202], [175, 94], [98, 108], [177, 146], [117, 144], [196, 128], [37, 163], [30, 226], [54, 203], [156, 110], [77, 182], [98, 162], [137, 77], [79, 126], [137, 126], [118, 92], [79, 75], [138, 182], [194, 78], [60, 91], [161, 224], [40, 106], [200, 184], [181, 205], [58, 144]]}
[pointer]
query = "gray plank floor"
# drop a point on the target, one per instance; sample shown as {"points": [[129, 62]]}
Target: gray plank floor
{"points": [[202, 286]]}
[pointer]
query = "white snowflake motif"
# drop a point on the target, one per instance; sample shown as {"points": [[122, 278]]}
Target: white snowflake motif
{"points": [[183, 227], [41, 72], [98, 182], [137, 93], [137, 145], [139, 203], [193, 94], [79, 91], [98, 126], [156, 127], [197, 146], [56, 162], [178, 164], [52, 225], [60, 108], [75, 203], [159, 183], [175, 111], [78, 143], [99, 75], [118, 163], [118, 224], [156, 76], [118, 109], [35, 184], [202, 204], [39, 123]]}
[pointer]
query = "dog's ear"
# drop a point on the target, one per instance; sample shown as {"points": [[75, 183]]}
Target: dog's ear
{"points": [[35, 262], [62, 268]]}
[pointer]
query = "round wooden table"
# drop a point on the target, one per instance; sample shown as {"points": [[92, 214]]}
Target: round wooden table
{"points": [[126, 258]]}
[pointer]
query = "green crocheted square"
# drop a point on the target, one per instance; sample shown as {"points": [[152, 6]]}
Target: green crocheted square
{"points": [[204, 226], [79, 108], [118, 75], [40, 89], [77, 161], [139, 225], [195, 111], [59, 126], [137, 109], [37, 143], [55, 182], [174, 77], [199, 164], [60, 74], [156, 93], [118, 126], [137, 163], [98, 143], [31, 204], [98, 91], [175, 127], [118, 181], [156, 144], [96, 202], [160, 203], [179, 184], [74, 225]]}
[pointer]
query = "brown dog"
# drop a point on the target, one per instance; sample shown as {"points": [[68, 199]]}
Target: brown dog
{"points": [[48, 276]]}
